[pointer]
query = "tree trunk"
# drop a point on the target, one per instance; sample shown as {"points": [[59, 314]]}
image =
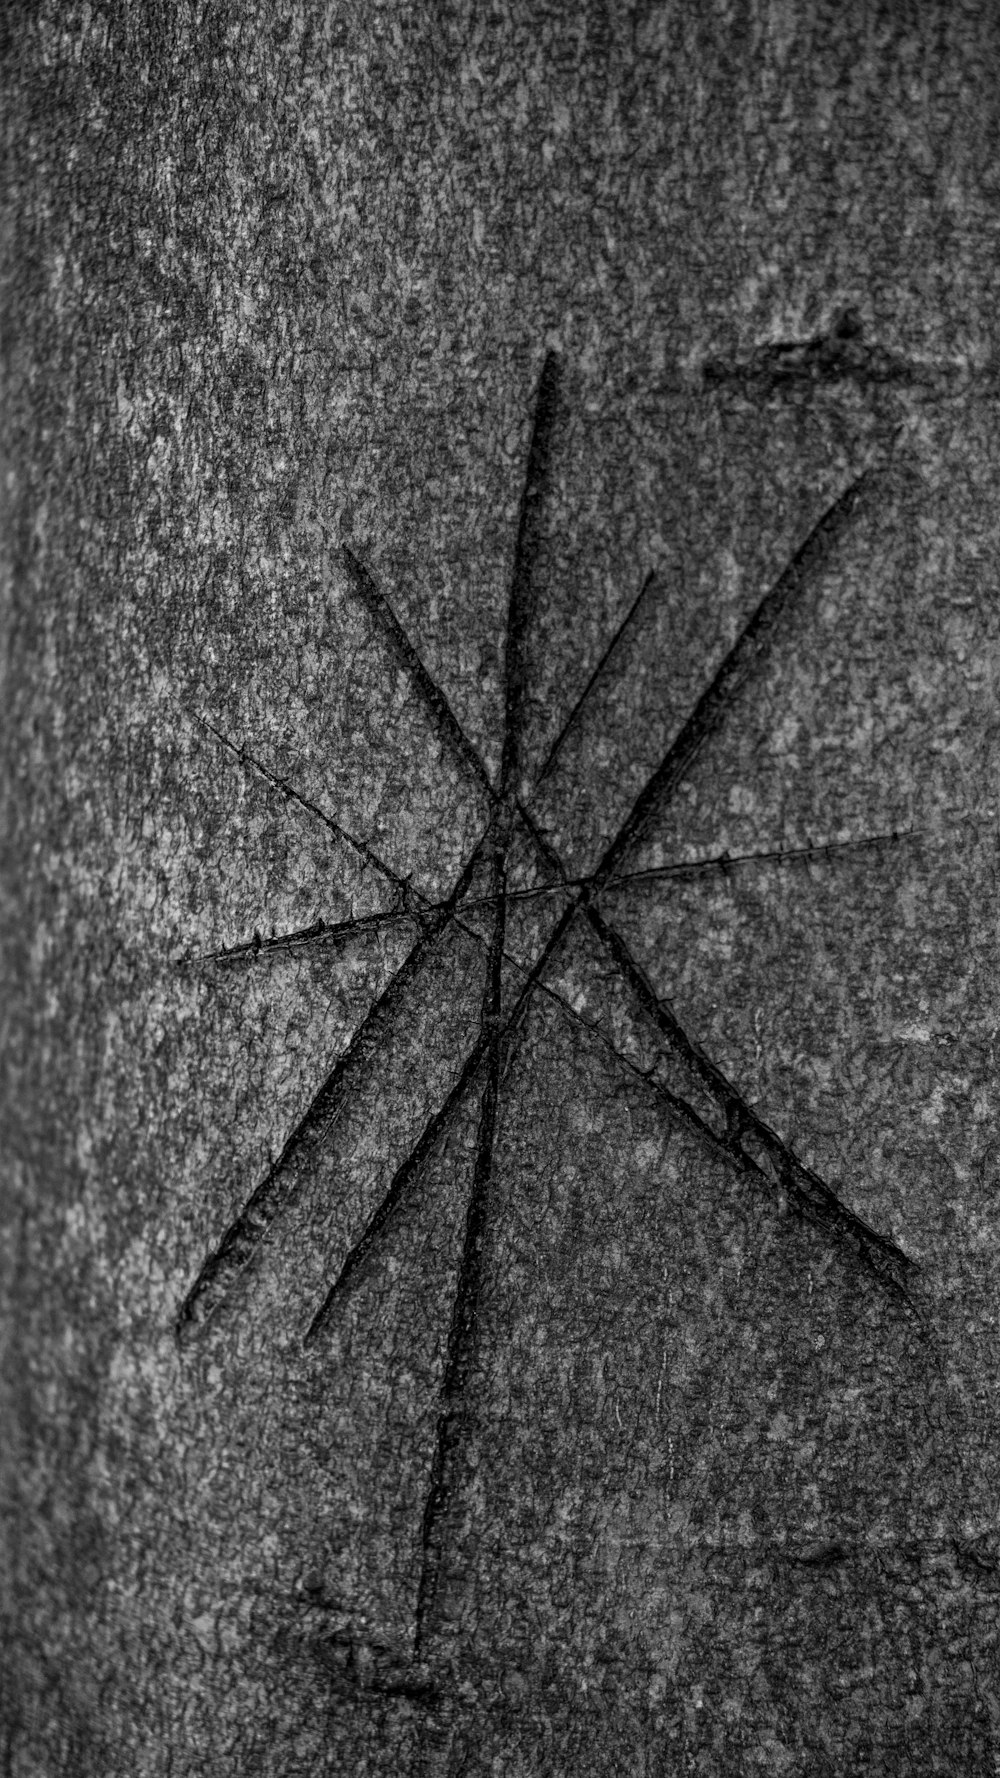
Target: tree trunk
{"points": [[499, 1177]]}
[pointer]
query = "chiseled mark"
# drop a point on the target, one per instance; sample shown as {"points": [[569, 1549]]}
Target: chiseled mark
{"points": [[360, 847], [310, 938], [326, 933], [449, 730], [841, 355], [601, 672], [358, 1668], [523, 588], [823, 1555], [844, 355], [742, 1139], [725, 862], [355, 1266], [749, 1138]]}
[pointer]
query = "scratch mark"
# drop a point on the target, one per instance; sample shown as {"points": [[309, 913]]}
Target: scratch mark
{"points": [[304, 938], [810, 1194], [354, 1268], [361, 847], [841, 355], [281, 1183], [600, 672], [443, 718], [420, 912], [819, 1555], [727, 861]]}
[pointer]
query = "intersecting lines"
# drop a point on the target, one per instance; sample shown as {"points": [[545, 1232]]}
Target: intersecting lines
{"points": [[519, 904]]}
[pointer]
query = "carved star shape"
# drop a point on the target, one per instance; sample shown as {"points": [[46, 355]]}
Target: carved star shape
{"points": [[481, 901]]}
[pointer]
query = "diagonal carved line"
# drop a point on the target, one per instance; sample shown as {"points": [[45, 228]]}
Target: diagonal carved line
{"points": [[323, 932], [840, 356], [303, 938], [522, 585], [748, 651], [727, 861], [810, 1194], [601, 670], [277, 1189], [750, 648], [443, 718], [361, 847], [354, 1268], [414, 905], [417, 908], [684, 1113]]}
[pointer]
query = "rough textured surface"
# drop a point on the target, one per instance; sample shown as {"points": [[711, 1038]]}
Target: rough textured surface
{"points": [[281, 277]]}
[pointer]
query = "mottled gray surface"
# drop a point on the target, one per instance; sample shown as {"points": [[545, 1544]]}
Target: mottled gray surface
{"points": [[279, 277]]}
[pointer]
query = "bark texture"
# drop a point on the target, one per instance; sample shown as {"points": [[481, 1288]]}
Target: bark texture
{"points": [[508, 497]]}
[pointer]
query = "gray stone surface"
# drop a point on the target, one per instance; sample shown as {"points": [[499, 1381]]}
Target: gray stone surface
{"points": [[281, 278]]}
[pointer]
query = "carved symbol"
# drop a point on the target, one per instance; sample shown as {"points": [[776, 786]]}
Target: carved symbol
{"points": [[733, 1130]]}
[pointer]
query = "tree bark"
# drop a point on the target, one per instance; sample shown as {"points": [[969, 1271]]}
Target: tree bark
{"points": [[499, 1166]]}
